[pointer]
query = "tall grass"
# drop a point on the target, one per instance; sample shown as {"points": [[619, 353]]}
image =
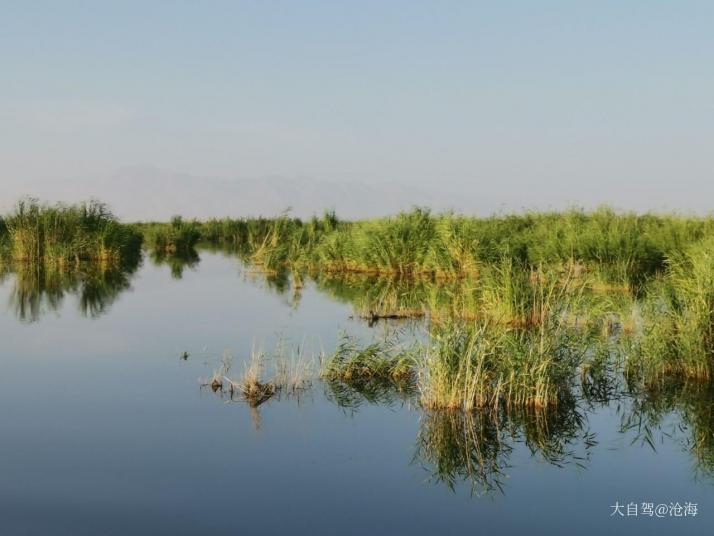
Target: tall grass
{"points": [[177, 236], [677, 333], [358, 365], [487, 366], [624, 248], [528, 359], [627, 246], [64, 234]]}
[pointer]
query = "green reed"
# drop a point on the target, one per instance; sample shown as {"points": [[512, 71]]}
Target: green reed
{"points": [[363, 366], [624, 248], [677, 331], [176, 237], [67, 234]]}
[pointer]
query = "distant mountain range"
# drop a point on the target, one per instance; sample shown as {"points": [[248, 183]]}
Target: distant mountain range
{"points": [[152, 194], [149, 193]]}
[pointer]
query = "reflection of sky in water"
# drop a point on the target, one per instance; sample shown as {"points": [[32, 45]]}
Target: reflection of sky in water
{"points": [[105, 431]]}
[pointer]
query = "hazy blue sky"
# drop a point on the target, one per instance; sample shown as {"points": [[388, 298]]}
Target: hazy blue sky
{"points": [[514, 103]]}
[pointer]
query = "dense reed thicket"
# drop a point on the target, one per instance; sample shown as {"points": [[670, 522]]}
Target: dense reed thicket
{"points": [[677, 331], [512, 301], [417, 243], [625, 247], [66, 234]]}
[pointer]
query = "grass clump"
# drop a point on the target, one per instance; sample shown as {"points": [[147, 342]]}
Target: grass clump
{"points": [[378, 373], [65, 235], [527, 360], [294, 373], [177, 236], [255, 391], [219, 377], [377, 362], [292, 376], [677, 333], [484, 365]]}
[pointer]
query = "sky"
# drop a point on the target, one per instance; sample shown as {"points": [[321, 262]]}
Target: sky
{"points": [[491, 105]]}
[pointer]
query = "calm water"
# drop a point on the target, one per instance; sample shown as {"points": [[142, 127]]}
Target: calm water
{"points": [[106, 430]]}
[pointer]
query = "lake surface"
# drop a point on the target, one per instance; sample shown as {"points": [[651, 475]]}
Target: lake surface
{"points": [[106, 429]]}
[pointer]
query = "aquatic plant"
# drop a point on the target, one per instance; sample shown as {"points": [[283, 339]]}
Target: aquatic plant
{"points": [[216, 381], [293, 374]]}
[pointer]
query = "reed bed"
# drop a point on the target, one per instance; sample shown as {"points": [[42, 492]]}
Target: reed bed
{"points": [[354, 364], [625, 248], [677, 333], [525, 353], [510, 300], [66, 235], [176, 237]]}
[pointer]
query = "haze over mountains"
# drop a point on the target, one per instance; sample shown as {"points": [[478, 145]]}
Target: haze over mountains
{"points": [[147, 193]]}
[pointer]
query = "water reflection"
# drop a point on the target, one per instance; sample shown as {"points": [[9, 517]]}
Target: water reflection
{"points": [[679, 411], [389, 298], [352, 396], [176, 261], [39, 288], [474, 448]]}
